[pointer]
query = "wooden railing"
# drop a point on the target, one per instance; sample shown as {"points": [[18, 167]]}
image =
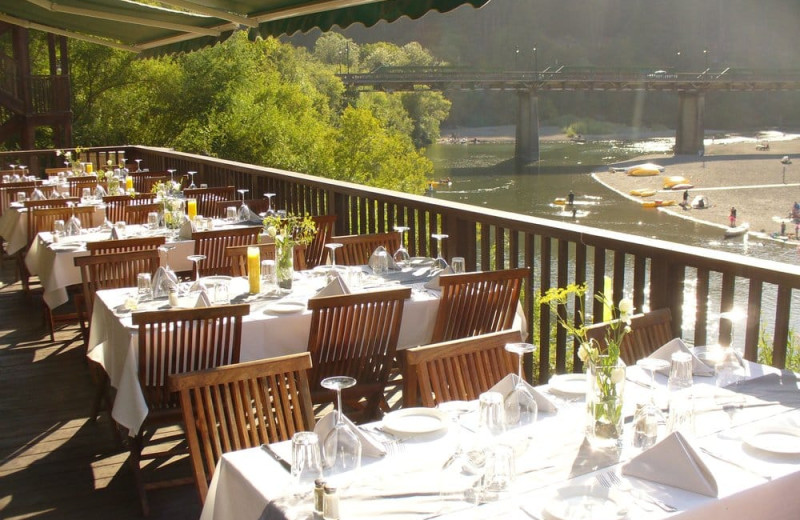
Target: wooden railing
{"points": [[654, 273]]}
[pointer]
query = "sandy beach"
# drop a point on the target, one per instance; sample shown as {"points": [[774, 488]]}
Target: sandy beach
{"points": [[731, 173]]}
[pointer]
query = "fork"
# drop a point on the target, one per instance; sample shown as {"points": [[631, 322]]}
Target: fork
{"points": [[612, 480]]}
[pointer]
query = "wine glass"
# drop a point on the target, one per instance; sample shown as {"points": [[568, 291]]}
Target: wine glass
{"points": [[341, 448], [192, 184], [520, 405], [165, 278], [440, 262], [198, 284], [269, 196], [138, 165], [401, 255], [171, 175], [244, 211], [74, 223], [333, 246]]}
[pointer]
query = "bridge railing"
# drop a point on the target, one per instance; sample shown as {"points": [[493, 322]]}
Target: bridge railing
{"points": [[696, 284]]}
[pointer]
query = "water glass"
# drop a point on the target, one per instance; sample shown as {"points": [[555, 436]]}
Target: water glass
{"points": [[268, 276], [21, 196], [152, 220], [221, 291], [306, 461], [679, 385], [230, 213], [58, 230], [457, 264], [145, 287], [86, 195], [500, 470], [355, 277], [381, 265], [121, 227], [491, 413]]}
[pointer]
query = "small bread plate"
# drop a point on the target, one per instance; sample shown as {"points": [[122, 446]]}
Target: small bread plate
{"points": [[286, 307], [780, 440], [569, 384], [415, 421], [585, 502], [66, 246]]}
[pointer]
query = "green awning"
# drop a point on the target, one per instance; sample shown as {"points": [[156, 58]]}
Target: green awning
{"points": [[185, 25]]}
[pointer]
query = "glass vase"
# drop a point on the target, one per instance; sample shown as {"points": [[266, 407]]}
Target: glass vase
{"points": [[604, 402], [284, 265]]}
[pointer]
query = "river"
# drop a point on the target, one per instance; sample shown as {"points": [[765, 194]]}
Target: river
{"points": [[485, 174]]}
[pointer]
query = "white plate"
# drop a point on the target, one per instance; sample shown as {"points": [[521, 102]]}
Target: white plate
{"points": [[415, 421], [569, 384], [285, 307], [782, 440], [65, 247], [585, 502]]}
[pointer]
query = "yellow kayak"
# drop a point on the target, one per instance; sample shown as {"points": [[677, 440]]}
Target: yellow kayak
{"points": [[643, 192], [561, 201], [658, 203], [674, 180], [643, 171]]}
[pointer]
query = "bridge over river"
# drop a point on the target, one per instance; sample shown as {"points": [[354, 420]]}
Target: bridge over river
{"points": [[691, 88]]}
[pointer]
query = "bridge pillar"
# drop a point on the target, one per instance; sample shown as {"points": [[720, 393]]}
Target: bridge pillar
{"points": [[691, 127], [527, 144]]}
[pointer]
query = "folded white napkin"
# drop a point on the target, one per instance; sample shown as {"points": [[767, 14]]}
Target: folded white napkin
{"points": [[187, 228], [674, 462], [373, 259], [116, 234], [38, 195], [433, 283], [369, 447], [336, 287], [677, 345], [203, 300], [507, 384]]}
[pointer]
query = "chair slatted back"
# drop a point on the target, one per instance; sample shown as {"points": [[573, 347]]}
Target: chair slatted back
{"points": [[355, 335], [116, 204], [143, 181], [76, 184], [42, 219], [113, 271], [477, 303], [237, 256], [316, 252], [9, 190], [175, 341], [49, 203], [242, 406], [649, 332], [137, 213], [213, 243], [356, 249], [125, 245], [458, 370], [208, 197], [257, 206]]}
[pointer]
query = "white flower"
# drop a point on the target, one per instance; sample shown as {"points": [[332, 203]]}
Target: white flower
{"points": [[109, 162], [271, 231], [625, 306], [584, 352], [617, 375]]}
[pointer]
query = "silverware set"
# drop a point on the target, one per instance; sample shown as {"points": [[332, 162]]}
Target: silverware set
{"points": [[611, 480]]}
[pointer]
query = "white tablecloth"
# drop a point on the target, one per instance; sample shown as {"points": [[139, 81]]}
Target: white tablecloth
{"points": [[56, 268], [113, 341], [14, 226], [250, 484]]}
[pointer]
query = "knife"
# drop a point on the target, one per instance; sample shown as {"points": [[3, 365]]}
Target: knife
{"points": [[274, 454], [733, 463]]}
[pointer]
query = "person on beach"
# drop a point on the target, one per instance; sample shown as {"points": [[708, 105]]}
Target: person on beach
{"points": [[685, 197], [732, 217], [571, 198]]}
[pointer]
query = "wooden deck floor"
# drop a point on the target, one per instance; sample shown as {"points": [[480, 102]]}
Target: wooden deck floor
{"points": [[56, 463]]}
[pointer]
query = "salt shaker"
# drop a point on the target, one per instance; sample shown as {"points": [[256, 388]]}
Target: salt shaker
{"points": [[330, 504], [319, 498], [173, 296]]}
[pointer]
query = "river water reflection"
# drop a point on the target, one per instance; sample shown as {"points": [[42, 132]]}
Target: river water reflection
{"points": [[485, 174]]}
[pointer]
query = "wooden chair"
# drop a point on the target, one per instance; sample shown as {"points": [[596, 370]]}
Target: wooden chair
{"points": [[116, 204], [143, 181], [76, 184], [356, 249], [213, 243], [477, 303], [242, 406], [137, 213], [237, 256], [9, 190], [208, 197], [649, 332], [49, 203], [173, 342], [355, 335], [125, 245], [456, 370], [316, 252]]}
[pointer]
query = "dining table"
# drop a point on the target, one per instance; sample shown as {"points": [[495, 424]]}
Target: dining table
{"points": [[14, 225], [278, 322], [751, 453]]}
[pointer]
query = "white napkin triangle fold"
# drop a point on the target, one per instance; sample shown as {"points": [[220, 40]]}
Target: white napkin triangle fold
{"points": [[507, 384], [187, 227], [116, 234], [674, 462], [203, 300], [336, 287], [369, 446], [373, 259], [433, 283], [677, 345]]}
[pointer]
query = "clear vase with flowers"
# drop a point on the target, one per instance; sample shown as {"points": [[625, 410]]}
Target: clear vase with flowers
{"points": [[605, 370], [288, 232]]}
